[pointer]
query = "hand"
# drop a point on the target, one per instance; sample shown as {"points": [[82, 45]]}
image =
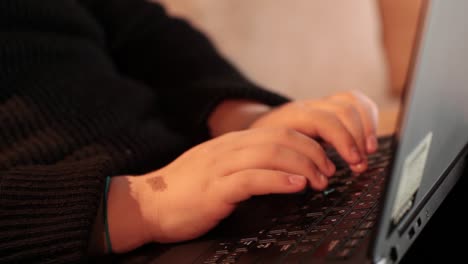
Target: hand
{"points": [[195, 192], [347, 121]]}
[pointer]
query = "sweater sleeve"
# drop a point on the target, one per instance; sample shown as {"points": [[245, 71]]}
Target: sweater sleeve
{"points": [[67, 120], [175, 59]]}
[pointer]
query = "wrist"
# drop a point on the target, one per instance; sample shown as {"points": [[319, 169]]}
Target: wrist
{"points": [[126, 226]]}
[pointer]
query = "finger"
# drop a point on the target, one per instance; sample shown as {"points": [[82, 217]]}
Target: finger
{"points": [[332, 130], [244, 184], [292, 139], [351, 119], [369, 113], [273, 157]]}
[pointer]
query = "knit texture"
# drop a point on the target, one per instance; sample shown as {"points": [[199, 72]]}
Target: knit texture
{"points": [[90, 89]]}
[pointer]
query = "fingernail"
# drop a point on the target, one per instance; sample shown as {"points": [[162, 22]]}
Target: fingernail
{"points": [[322, 178], [296, 179], [371, 143], [355, 155]]}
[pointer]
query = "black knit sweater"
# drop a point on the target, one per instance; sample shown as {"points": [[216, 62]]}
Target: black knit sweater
{"points": [[90, 89]]}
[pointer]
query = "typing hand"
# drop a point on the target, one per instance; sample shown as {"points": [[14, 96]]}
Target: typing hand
{"points": [[195, 192], [346, 120]]}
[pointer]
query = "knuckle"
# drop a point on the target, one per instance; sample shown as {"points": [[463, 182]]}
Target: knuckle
{"points": [[318, 148], [323, 157], [305, 162], [322, 114], [348, 110], [331, 118], [215, 161], [347, 138], [274, 150], [310, 165]]}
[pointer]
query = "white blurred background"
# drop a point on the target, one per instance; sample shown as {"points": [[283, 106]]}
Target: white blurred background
{"points": [[312, 48]]}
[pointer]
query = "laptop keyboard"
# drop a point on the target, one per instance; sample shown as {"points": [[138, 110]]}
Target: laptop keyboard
{"points": [[330, 224]]}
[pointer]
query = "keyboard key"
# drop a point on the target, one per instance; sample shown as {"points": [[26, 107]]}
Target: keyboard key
{"points": [[356, 214], [361, 185], [343, 173], [331, 220], [264, 245], [303, 248], [278, 230], [297, 254], [296, 233], [222, 252], [364, 205], [376, 193], [247, 239], [287, 243], [231, 258], [325, 248], [348, 223], [211, 260], [267, 240], [369, 197], [312, 238], [367, 225], [352, 243], [289, 219], [338, 211], [340, 233], [228, 261], [241, 249], [348, 201], [248, 242], [344, 253], [319, 228], [382, 164], [372, 216], [314, 214], [272, 254], [316, 233], [360, 233]]}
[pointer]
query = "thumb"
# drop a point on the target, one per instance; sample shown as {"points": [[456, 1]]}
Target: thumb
{"points": [[242, 185]]}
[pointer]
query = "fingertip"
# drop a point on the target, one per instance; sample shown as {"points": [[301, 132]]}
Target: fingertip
{"points": [[354, 155], [359, 168], [320, 182]]}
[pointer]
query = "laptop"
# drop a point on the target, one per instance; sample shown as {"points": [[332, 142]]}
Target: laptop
{"points": [[373, 218]]}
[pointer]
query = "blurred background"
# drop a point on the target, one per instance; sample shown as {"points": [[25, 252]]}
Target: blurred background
{"points": [[311, 48]]}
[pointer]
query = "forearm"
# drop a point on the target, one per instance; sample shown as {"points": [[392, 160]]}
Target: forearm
{"points": [[399, 20]]}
